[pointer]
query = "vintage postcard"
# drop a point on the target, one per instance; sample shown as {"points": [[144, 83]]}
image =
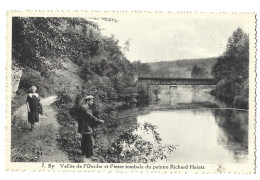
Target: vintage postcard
{"points": [[131, 91]]}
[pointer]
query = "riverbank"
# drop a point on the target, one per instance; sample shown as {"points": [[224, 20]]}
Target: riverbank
{"points": [[127, 124], [142, 110], [62, 138], [105, 135]]}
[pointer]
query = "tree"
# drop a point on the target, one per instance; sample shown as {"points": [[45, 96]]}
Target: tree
{"points": [[162, 72], [231, 69], [142, 69], [199, 72], [234, 63], [37, 41]]}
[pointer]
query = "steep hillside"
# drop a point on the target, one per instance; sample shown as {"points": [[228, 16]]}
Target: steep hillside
{"points": [[69, 58], [54, 80]]}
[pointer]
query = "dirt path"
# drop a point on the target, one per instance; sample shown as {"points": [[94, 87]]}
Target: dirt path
{"points": [[41, 144]]}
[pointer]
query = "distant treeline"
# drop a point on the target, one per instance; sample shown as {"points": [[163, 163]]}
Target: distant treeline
{"points": [[180, 68]]}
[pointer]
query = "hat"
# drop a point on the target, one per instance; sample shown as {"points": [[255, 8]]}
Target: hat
{"points": [[88, 97], [32, 87]]}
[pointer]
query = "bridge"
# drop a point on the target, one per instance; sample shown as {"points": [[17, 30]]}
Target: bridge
{"points": [[176, 81]]}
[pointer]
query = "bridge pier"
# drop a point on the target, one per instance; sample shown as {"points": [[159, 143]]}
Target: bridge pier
{"points": [[173, 89]]}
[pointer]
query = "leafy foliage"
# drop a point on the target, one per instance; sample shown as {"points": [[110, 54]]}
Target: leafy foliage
{"points": [[43, 45], [69, 139], [38, 41], [163, 72], [199, 72], [142, 69], [26, 152], [131, 147], [231, 70]]}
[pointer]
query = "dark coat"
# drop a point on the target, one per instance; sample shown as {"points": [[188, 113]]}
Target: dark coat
{"points": [[34, 103], [86, 118]]}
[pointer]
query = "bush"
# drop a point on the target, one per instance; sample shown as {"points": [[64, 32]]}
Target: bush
{"points": [[143, 94], [63, 97], [241, 100], [69, 139], [130, 147], [32, 77]]}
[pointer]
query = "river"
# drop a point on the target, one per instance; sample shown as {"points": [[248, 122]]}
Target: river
{"points": [[200, 135]]}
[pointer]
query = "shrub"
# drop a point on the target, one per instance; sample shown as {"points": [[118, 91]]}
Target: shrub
{"points": [[130, 147]]}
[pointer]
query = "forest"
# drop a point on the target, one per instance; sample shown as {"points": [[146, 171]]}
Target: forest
{"points": [[40, 44]]}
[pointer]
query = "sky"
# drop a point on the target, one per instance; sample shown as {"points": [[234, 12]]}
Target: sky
{"points": [[155, 38]]}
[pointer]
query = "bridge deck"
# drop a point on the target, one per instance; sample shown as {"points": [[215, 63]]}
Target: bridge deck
{"points": [[177, 81]]}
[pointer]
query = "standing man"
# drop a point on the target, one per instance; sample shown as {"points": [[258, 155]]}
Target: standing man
{"points": [[84, 127]]}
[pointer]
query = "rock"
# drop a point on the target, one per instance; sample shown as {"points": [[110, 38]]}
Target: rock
{"points": [[16, 77]]}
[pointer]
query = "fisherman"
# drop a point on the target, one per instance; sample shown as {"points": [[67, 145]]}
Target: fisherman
{"points": [[84, 127]]}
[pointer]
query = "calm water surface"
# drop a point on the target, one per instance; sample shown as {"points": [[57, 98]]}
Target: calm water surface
{"points": [[200, 135]]}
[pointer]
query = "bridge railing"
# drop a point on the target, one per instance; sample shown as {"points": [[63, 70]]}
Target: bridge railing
{"points": [[177, 81]]}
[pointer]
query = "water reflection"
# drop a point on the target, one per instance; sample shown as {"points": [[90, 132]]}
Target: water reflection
{"points": [[199, 135], [234, 126], [187, 94], [203, 135]]}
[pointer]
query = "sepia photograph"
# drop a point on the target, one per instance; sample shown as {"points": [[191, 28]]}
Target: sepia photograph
{"points": [[173, 91]]}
